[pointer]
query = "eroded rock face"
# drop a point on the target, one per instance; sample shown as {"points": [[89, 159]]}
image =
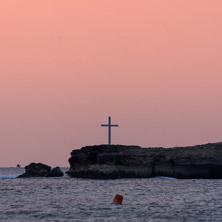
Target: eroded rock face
{"points": [[116, 161], [41, 170], [36, 170]]}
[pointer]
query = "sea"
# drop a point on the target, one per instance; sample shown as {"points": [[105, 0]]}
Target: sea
{"points": [[70, 199]]}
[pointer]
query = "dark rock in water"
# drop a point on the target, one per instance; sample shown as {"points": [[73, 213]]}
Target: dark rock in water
{"points": [[117, 161], [41, 170], [36, 170], [55, 172]]}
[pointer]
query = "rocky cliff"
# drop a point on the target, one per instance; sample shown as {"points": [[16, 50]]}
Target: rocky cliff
{"points": [[117, 161]]}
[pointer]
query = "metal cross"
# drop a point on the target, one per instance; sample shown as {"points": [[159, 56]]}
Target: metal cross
{"points": [[109, 131]]}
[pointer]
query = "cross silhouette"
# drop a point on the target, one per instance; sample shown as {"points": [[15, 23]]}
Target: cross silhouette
{"points": [[109, 125]]}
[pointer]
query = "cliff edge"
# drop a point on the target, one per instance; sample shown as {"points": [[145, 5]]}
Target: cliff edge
{"points": [[119, 161]]}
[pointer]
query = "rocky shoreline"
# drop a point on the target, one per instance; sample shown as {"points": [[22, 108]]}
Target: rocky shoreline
{"points": [[118, 161]]}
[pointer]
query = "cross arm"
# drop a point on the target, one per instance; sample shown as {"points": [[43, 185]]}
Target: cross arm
{"points": [[115, 125]]}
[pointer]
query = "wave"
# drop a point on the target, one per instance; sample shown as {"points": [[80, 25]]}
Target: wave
{"points": [[9, 176], [167, 178]]}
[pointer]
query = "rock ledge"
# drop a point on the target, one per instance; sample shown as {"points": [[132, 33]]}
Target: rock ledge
{"points": [[119, 161]]}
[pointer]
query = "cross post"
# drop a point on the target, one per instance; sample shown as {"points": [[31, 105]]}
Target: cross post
{"points": [[109, 125]]}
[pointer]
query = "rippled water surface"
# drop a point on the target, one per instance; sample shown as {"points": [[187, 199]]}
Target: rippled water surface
{"points": [[68, 199]]}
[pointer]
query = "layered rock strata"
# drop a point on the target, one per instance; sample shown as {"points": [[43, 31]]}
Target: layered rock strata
{"points": [[118, 161]]}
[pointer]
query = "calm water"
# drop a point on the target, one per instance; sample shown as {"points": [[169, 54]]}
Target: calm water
{"points": [[68, 199]]}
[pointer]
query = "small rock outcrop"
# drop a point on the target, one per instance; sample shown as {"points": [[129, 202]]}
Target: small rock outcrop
{"points": [[41, 170], [118, 161], [55, 172], [36, 170]]}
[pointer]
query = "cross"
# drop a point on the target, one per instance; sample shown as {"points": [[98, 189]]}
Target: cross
{"points": [[109, 131]]}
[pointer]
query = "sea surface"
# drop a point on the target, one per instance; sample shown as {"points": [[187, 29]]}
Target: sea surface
{"points": [[69, 199]]}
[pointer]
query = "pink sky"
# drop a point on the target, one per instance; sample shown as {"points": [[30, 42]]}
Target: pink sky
{"points": [[65, 66]]}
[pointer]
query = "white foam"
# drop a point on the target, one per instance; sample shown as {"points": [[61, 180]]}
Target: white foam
{"points": [[167, 178]]}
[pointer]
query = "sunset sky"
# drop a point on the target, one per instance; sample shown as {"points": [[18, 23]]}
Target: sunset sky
{"points": [[155, 66]]}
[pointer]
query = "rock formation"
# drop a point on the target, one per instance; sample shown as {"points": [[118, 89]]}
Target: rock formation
{"points": [[117, 161], [56, 172], [41, 170]]}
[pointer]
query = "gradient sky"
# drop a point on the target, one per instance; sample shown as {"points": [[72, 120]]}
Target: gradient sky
{"points": [[155, 66]]}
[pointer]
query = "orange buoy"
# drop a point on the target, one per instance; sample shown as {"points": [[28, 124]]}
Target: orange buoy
{"points": [[118, 199]]}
